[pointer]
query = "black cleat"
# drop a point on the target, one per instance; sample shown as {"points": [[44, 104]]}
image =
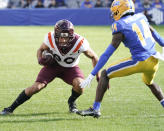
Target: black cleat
{"points": [[90, 112], [72, 107], [6, 111]]}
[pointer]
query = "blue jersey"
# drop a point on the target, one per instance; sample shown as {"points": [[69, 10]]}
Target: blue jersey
{"points": [[137, 35]]}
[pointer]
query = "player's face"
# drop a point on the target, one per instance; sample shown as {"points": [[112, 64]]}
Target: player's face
{"points": [[63, 41]]}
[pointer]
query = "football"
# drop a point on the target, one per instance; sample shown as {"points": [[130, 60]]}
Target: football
{"points": [[47, 58], [47, 55]]}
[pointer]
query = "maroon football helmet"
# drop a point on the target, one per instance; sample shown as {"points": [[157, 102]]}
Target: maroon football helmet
{"points": [[64, 32]]}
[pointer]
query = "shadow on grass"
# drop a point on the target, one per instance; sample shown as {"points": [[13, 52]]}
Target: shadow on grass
{"points": [[35, 114], [37, 117]]}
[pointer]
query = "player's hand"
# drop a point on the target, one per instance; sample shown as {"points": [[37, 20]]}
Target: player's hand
{"points": [[45, 61], [87, 81], [42, 61], [46, 58]]}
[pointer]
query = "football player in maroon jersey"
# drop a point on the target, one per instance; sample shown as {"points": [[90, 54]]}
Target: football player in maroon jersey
{"points": [[63, 47]]}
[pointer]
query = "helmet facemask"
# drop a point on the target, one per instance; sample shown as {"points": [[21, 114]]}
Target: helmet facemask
{"points": [[64, 39]]}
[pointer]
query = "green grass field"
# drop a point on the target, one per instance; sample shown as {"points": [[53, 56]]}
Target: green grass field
{"points": [[127, 106]]}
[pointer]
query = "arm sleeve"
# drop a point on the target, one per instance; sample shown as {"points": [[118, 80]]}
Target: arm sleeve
{"points": [[103, 59], [157, 38], [85, 46]]}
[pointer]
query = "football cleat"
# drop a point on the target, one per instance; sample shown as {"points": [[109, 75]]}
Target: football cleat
{"points": [[72, 107], [6, 111], [90, 112]]}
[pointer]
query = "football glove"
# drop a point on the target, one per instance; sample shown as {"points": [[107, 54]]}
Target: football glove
{"points": [[87, 81]]}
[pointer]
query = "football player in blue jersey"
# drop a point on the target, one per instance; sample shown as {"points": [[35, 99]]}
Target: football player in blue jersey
{"points": [[134, 32]]}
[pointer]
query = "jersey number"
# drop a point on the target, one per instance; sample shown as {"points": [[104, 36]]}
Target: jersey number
{"points": [[67, 60], [147, 33]]}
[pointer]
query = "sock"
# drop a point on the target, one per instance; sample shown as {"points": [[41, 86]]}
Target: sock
{"points": [[96, 105], [20, 100], [162, 102], [73, 96]]}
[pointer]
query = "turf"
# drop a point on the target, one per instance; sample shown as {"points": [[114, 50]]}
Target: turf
{"points": [[127, 106]]}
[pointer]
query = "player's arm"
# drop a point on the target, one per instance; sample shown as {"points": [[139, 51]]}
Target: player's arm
{"points": [[156, 36], [92, 55], [41, 49], [39, 53], [116, 40]]}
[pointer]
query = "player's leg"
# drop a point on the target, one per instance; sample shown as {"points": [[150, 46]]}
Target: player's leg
{"points": [[23, 96], [121, 68], [45, 76], [73, 76], [100, 91], [76, 92], [148, 77], [102, 86], [157, 92]]}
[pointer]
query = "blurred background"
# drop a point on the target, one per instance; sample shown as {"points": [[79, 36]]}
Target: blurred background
{"points": [[127, 106], [80, 12], [13, 4]]}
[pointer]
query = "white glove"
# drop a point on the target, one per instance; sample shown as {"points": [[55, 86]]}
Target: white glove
{"points": [[87, 81]]}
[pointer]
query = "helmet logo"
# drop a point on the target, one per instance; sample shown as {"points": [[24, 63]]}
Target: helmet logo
{"points": [[116, 3]]}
